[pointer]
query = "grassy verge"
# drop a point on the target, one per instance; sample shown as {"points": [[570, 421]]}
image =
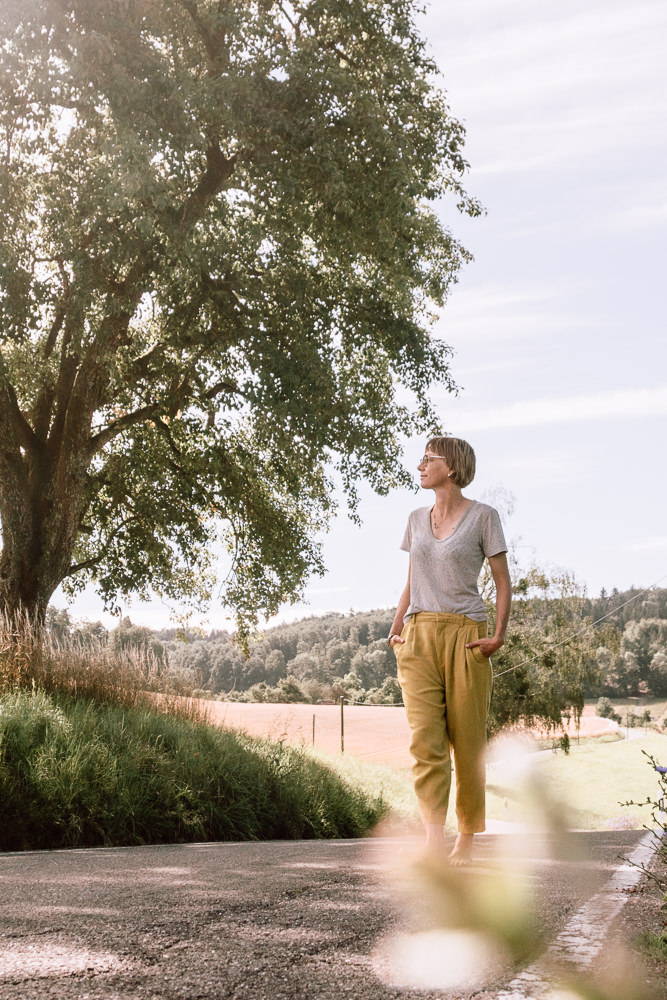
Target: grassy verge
{"points": [[593, 781], [587, 785], [392, 784], [654, 945], [79, 772]]}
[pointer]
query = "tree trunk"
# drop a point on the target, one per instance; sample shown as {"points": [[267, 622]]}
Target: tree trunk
{"points": [[41, 507]]}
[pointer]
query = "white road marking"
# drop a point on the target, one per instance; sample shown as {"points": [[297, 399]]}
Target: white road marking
{"points": [[582, 938]]}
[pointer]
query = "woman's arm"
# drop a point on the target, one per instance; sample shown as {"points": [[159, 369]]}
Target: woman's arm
{"points": [[397, 624], [501, 578]]}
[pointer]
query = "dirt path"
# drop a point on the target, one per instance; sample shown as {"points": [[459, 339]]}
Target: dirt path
{"points": [[275, 920]]}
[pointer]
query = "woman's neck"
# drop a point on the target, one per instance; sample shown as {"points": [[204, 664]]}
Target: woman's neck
{"points": [[448, 500]]}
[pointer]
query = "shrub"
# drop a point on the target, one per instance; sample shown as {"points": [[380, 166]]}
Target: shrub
{"points": [[605, 710]]}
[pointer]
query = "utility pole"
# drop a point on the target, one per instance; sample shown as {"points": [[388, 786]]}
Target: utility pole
{"points": [[342, 724]]}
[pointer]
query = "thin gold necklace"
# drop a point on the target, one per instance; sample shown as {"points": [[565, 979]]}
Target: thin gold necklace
{"points": [[435, 523]]}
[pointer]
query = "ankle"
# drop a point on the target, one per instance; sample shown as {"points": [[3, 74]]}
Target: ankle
{"points": [[435, 833]]}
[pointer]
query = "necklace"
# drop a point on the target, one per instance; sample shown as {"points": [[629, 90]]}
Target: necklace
{"points": [[448, 517]]}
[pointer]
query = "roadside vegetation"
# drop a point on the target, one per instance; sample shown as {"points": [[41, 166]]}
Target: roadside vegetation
{"points": [[90, 756], [98, 744], [79, 773]]}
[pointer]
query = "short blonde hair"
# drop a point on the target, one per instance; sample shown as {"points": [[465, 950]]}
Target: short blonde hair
{"points": [[458, 455]]}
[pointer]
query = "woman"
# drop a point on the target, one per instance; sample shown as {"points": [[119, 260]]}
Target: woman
{"points": [[442, 649]]}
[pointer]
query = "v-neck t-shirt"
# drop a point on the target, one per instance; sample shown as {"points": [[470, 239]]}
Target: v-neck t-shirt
{"points": [[444, 572]]}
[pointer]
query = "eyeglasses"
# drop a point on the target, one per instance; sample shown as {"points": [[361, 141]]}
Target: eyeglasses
{"points": [[430, 458]]}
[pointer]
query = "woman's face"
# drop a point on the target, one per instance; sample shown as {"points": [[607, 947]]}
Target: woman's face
{"points": [[433, 470]]}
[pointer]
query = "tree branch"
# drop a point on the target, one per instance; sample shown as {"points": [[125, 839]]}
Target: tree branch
{"points": [[141, 365], [219, 169], [10, 412], [116, 427], [56, 327], [63, 392], [296, 25], [221, 387], [166, 430], [215, 42], [96, 560], [41, 411], [175, 401], [329, 46]]}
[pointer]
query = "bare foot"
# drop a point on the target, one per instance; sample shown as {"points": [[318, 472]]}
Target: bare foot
{"points": [[461, 855]]}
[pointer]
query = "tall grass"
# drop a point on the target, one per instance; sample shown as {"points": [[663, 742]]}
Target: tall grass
{"points": [[91, 753], [32, 659]]}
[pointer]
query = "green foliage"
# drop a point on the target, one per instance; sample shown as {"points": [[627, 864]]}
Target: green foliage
{"points": [[639, 666], [77, 773], [336, 654], [219, 264], [605, 710], [395, 787], [348, 654], [656, 803], [78, 662], [653, 945], [389, 693], [127, 636], [548, 663], [317, 653]]}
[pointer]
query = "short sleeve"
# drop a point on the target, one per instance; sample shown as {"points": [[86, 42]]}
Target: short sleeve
{"points": [[407, 537], [493, 538]]}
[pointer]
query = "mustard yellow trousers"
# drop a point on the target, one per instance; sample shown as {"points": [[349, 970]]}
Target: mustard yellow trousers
{"points": [[446, 692]]}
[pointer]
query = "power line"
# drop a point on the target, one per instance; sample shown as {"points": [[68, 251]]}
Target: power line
{"points": [[597, 621]]}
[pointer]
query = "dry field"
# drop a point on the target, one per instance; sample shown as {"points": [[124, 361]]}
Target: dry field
{"points": [[371, 732]]}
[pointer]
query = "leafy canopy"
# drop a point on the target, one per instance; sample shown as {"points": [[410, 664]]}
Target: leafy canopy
{"points": [[218, 267]]}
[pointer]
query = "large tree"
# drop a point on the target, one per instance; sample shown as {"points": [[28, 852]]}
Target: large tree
{"points": [[218, 268]]}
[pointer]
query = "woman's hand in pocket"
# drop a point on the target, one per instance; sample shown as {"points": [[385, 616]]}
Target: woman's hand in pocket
{"points": [[486, 646]]}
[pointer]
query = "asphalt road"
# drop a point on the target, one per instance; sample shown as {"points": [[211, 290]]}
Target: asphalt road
{"points": [[259, 921]]}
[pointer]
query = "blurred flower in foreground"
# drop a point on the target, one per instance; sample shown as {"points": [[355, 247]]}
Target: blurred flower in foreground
{"points": [[476, 928], [435, 959]]}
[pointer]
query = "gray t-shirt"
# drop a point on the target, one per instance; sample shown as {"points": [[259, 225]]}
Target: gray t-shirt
{"points": [[444, 572]]}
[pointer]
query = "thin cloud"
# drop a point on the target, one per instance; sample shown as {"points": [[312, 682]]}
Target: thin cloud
{"points": [[552, 85], [648, 216], [623, 403], [659, 542], [496, 312], [629, 212], [571, 50]]}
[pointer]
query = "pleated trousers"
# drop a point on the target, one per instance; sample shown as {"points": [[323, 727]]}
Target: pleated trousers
{"points": [[447, 693]]}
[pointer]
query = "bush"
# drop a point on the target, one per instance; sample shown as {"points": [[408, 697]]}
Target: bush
{"points": [[605, 710], [77, 773]]}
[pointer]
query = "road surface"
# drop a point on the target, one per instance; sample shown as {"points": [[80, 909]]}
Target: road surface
{"points": [[258, 921]]}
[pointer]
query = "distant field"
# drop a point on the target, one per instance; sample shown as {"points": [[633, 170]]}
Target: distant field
{"points": [[589, 783], [371, 732]]}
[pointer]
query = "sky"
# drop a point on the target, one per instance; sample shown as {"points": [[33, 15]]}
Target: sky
{"points": [[558, 326]]}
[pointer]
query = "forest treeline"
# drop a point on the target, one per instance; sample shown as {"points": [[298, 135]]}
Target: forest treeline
{"points": [[554, 657]]}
